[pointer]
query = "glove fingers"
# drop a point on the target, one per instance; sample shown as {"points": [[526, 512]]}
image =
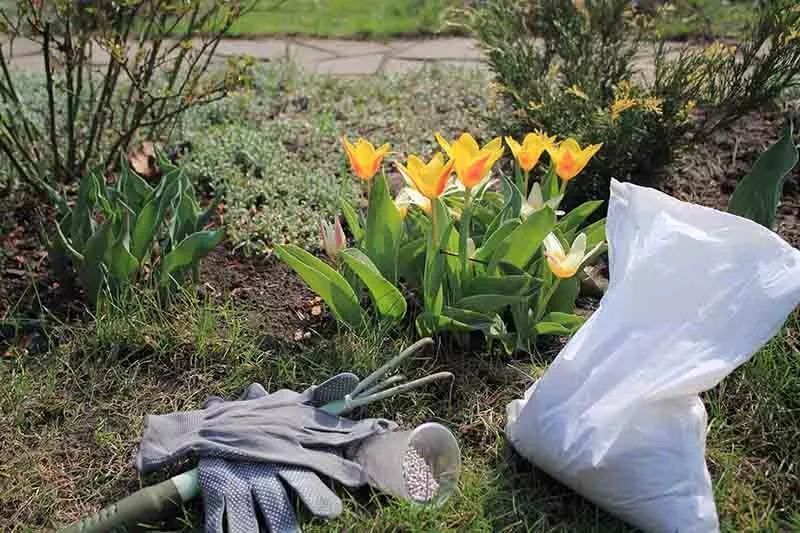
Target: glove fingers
{"points": [[214, 473], [253, 391], [212, 400], [275, 505], [240, 513], [331, 465], [315, 495], [214, 515]]}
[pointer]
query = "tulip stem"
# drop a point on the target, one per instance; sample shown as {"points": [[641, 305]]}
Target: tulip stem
{"points": [[526, 177], [546, 300], [466, 218]]}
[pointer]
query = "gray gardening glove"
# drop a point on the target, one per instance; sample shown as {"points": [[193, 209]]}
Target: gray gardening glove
{"points": [[284, 427], [232, 490]]}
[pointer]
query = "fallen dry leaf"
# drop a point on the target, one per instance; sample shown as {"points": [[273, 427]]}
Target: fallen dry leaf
{"points": [[143, 160]]}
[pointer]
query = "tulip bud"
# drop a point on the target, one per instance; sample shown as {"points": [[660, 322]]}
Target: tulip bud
{"points": [[332, 238]]}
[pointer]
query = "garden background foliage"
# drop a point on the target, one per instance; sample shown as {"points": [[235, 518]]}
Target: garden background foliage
{"points": [[571, 67]]}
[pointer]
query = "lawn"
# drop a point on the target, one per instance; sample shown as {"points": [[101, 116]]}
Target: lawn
{"points": [[379, 19], [705, 19], [76, 387]]}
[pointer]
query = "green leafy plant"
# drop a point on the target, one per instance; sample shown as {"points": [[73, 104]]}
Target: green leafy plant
{"points": [[758, 194], [128, 232], [115, 72], [475, 255], [571, 67]]}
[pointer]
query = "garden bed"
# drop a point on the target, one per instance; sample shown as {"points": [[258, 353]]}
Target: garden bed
{"points": [[73, 404]]}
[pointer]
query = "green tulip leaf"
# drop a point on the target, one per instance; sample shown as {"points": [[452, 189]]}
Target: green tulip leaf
{"points": [[522, 244], [122, 264], [512, 285], [188, 253], [352, 219], [326, 282], [570, 321], [563, 299], [490, 303], [92, 270], [552, 328], [384, 229], [570, 223], [493, 240], [387, 298], [758, 194]]}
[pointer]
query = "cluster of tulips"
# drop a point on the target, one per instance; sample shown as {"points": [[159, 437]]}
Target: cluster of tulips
{"points": [[482, 254], [472, 165]]}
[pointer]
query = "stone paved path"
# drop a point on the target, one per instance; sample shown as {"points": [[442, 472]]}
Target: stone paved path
{"points": [[324, 56]]}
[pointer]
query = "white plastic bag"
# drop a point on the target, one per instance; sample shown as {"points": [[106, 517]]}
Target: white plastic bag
{"points": [[693, 293]]}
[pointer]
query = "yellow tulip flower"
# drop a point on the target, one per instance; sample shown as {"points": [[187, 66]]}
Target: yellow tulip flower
{"points": [[569, 158], [429, 179], [472, 163], [565, 265], [364, 158], [529, 152]]}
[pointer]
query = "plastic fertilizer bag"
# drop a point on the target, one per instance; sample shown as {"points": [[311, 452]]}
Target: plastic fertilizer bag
{"points": [[693, 293]]}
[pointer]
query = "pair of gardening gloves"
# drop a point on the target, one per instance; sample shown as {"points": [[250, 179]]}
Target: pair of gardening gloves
{"points": [[251, 450]]}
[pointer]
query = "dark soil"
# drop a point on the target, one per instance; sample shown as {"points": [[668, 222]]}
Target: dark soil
{"points": [[30, 293], [277, 303], [707, 174]]}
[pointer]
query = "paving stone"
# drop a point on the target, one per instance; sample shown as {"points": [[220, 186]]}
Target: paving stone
{"points": [[346, 66], [401, 66], [307, 57], [345, 47], [446, 48], [260, 49], [466, 65], [33, 63], [21, 46]]}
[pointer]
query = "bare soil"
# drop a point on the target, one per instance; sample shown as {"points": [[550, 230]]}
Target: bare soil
{"points": [[278, 304], [707, 174]]}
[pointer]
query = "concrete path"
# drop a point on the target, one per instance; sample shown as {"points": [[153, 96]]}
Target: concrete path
{"points": [[323, 56]]}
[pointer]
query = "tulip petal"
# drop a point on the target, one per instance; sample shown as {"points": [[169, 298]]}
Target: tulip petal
{"points": [[444, 144], [514, 145], [493, 145], [468, 142]]}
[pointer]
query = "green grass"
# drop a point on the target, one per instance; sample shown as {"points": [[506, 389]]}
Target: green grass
{"points": [[379, 19], [701, 19], [72, 417]]}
